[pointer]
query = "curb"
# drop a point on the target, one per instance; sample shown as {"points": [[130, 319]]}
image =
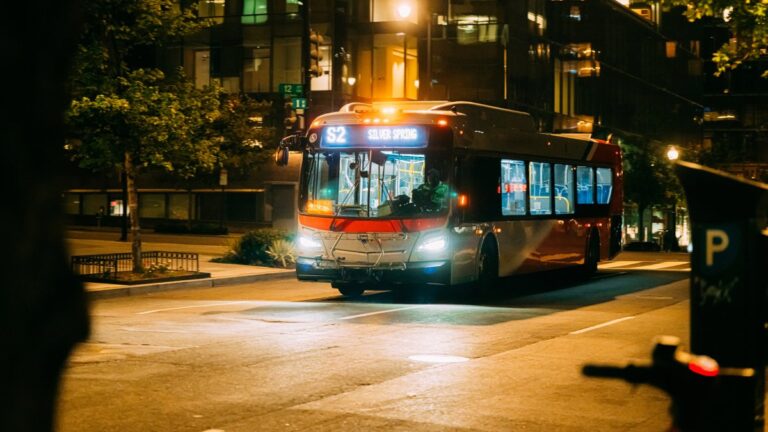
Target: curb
{"points": [[132, 290]]}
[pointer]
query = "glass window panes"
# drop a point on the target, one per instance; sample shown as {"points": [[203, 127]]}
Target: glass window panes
{"points": [[585, 185], [178, 206], [564, 189], [287, 62], [152, 205], [94, 204], [541, 188], [256, 70], [211, 9], [604, 185], [513, 188], [254, 12], [72, 203]]}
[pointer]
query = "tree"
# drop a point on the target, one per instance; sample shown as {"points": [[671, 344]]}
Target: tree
{"points": [[133, 117], [747, 21]]}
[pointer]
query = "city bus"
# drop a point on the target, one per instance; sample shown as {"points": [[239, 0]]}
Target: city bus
{"points": [[395, 195]]}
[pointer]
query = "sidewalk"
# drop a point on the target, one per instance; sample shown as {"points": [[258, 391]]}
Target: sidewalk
{"points": [[89, 241]]}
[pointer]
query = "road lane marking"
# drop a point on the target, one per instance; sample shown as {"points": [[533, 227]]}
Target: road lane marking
{"points": [[618, 264], [605, 324], [190, 307], [381, 312], [661, 265]]}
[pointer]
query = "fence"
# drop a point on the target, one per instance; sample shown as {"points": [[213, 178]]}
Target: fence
{"points": [[108, 264]]}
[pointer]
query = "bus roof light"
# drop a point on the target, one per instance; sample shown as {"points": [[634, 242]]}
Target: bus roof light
{"points": [[442, 122], [388, 110], [463, 200]]}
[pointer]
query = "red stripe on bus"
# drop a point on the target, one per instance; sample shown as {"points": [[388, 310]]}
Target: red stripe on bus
{"points": [[348, 225]]}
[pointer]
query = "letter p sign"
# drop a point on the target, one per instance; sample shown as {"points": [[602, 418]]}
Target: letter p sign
{"points": [[717, 241]]}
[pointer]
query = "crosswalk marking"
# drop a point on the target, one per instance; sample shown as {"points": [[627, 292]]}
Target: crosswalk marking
{"points": [[614, 264], [646, 265], [661, 265]]}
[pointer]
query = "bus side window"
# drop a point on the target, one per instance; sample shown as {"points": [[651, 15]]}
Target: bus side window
{"points": [[513, 188], [585, 180], [564, 193], [541, 188], [604, 185]]}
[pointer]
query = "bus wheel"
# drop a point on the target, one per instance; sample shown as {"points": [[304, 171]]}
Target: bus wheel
{"points": [[592, 255], [487, 268], [348, 289]]}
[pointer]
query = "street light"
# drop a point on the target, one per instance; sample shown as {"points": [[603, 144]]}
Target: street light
{"points": [[404, 10], [673, 153]]}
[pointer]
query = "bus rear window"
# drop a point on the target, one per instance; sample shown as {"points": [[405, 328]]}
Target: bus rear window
{"points": [[604, 185]]}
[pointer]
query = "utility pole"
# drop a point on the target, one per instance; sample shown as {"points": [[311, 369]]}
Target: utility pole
{"points": [[305, 61]]}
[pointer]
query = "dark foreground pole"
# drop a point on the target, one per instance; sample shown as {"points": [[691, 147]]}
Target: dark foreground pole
{"points": [[729, 284]]}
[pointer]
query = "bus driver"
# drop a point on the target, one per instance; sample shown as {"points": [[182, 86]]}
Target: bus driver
{"points": [[432, 195]]}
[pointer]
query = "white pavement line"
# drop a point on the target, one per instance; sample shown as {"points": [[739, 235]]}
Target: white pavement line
{"points": [[614, 264], [605, 324], [381, 312], [190, 307], [661, 265]]}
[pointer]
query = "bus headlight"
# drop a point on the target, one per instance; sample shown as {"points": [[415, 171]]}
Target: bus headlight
{"points": [[306, 242], [434, 244]]}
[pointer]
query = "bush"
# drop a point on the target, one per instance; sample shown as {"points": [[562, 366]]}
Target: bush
{"points": [[251, 248], [282, 252]]}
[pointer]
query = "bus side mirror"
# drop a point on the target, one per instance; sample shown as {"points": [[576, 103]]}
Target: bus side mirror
{"points": [[281, 155]]}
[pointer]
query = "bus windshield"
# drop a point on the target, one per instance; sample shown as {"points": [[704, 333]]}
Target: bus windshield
{"points": [[375, 183]]}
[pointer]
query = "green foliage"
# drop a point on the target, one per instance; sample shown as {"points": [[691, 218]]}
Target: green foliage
{"points": [[245, 141], [252, 247], [282, 252], [747, 21]]}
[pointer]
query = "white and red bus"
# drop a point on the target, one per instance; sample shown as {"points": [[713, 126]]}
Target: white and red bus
{"points": [[512, 200]]}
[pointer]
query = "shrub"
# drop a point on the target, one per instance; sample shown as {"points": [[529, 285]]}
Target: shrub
{"points": [[251, 248], [282, 252]]}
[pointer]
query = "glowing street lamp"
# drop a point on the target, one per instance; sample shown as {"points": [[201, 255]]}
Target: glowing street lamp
{"points": [[673, 153], [404, 10]]}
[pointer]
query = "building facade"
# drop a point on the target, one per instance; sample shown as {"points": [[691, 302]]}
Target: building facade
{"points": [[592, 66]]}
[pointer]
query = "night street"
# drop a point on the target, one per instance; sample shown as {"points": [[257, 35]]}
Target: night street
{"points": [[286, 355]]}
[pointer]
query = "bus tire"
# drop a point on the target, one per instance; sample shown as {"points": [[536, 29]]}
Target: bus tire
{"points": [[487, 268], [592, 255]]}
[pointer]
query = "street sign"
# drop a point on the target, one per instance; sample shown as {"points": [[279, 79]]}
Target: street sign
{"points": [[291, 89], [299, 103]]}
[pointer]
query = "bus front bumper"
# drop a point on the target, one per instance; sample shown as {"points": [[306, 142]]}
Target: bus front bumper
{"points": [[420, 273]]}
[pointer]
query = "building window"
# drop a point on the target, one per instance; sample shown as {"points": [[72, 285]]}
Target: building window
{"points": [[513, 188], [178, 206], [254, 12], [541, 188], [256, 70], [395, 66], [287, 62], [202, 69], [72, 203], [323, 82], [585, 185], [94, 204], [604, 185], [472, 29], [213, 9], [564, 189], [152, 205], [671, 49]]}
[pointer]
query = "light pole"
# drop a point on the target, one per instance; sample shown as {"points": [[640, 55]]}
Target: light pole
{"points": [[670, 236]]}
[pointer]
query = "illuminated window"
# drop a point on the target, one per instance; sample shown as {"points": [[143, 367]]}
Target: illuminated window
{"points": [[254, 12], [324, 81], [211, 9], [575, 13], [564, 189], [72, 203], [395, 66], [287, 62], [178, 206], [471, 29], [395, 10], [541, 188], [202, 68], [585, 185], [513, 188], [152, 205], [671, 49], [256, 70]]}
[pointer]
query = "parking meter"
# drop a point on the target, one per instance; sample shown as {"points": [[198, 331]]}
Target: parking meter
{"points": [[728, 281]]}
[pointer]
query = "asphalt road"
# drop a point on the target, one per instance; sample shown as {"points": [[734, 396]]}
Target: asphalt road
{"points": [[292, 356]]}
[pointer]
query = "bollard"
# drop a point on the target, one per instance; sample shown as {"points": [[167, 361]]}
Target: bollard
{"points": [[728, 285]]}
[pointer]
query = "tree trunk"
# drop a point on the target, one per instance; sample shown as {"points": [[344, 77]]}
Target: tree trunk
{"points": [[133, 210], [640, 223]]}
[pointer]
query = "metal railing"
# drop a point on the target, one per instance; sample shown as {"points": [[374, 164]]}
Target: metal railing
{"points": [[106, 265]]}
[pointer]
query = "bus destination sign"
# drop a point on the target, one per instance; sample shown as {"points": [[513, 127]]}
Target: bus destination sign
{"points": [[374, 136]]}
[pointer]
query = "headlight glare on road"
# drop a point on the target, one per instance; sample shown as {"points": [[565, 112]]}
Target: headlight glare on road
{"points": [[307, 242]]}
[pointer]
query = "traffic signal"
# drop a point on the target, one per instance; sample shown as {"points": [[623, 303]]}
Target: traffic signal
{"points": [[290, 116], [315, 40]]}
